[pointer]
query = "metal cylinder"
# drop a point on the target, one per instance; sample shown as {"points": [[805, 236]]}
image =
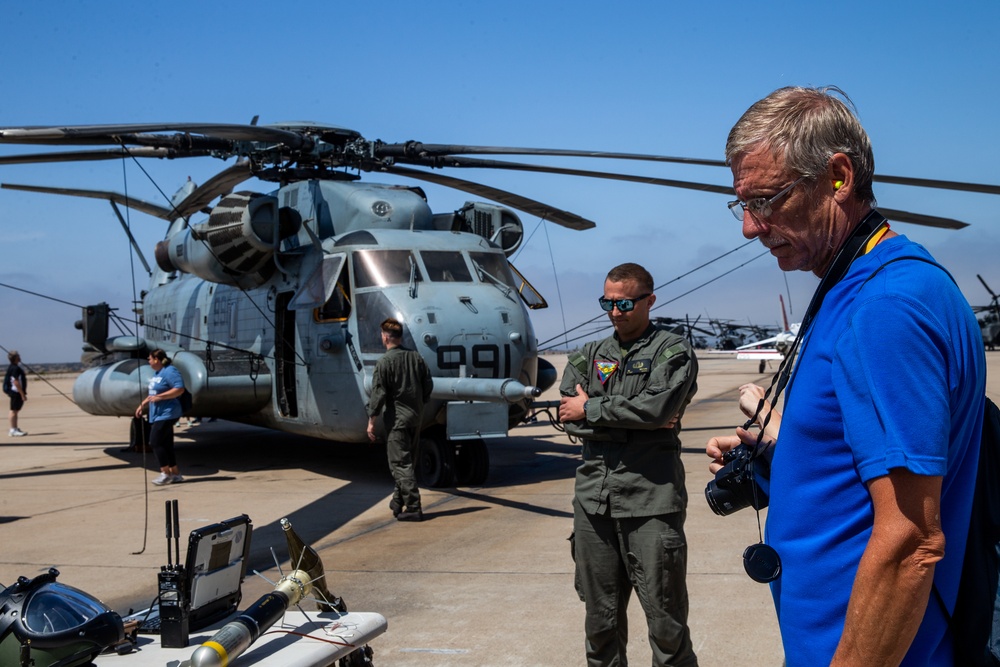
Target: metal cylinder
{"points": [[240, 633]]}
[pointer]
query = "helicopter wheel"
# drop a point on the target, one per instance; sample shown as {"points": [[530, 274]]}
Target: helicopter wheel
{"points": [[472, 462], [762, 366], [436, 461]]}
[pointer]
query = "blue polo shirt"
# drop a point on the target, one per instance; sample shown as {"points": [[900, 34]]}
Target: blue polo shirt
{"points": [[892, 375]]}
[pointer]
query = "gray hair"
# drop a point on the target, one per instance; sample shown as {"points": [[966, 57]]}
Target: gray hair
{"points": [[805, 127]]}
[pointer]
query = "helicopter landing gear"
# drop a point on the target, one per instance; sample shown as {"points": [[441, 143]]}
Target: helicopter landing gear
{"points": [[472, 462], [436, 460]]}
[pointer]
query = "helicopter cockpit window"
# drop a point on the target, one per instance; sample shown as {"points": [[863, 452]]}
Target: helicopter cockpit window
{"points": [[494, 267], [379, 268], [446, 267], [494, 264]]}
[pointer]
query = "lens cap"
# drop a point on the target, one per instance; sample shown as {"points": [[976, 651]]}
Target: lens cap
{"points": [[762, 563]]}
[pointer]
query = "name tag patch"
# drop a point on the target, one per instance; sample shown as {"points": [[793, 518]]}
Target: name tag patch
{"points": [[639, 367]]}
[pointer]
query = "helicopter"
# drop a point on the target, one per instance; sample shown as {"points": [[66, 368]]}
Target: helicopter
{"points": [[990, 322], [270, 306], [697, 336]]}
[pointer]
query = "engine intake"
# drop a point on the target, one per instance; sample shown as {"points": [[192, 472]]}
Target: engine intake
{"points": [[235, 245]]}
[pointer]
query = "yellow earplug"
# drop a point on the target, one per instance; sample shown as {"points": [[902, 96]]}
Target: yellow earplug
{"points": [[837, 185]]}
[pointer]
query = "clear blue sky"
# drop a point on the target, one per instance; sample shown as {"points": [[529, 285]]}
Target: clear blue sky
{"points": [[644, 77]]}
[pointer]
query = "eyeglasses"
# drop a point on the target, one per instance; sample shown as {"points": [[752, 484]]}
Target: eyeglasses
{"points": [[623, 305], [759, 206]]}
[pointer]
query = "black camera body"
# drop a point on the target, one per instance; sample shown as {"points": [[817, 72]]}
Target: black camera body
{"points": [[734, 486]]}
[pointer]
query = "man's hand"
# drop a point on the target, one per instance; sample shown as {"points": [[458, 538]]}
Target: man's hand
{"points": [[371, 429], [719, 445], [571, 407], [750, 396]]}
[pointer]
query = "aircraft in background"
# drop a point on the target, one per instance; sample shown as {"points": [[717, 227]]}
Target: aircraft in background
{"points": [[989, 318], [774, 348]]}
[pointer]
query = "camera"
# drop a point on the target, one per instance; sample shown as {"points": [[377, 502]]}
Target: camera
{"points": [[734, 486]]}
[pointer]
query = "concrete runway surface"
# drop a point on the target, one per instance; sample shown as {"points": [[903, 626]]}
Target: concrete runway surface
{"points": [[485, 580]]}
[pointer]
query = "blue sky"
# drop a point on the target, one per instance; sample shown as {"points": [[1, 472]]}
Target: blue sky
{"points": [[643, 77]]}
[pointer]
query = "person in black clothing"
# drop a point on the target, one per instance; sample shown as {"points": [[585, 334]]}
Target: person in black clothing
{"points": [[15, 385]]}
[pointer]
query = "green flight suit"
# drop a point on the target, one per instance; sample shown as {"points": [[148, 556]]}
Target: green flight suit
{"points": [[401, 384], [630, 500]]}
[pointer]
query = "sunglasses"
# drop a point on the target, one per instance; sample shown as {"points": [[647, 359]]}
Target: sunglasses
{"points": [[623, 305]]}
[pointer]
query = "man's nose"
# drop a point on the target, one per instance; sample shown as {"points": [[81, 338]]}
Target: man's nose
{"points": [[753, 226]]}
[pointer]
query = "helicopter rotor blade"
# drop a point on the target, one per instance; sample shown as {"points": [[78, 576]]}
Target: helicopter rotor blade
{"points": [[995, 297], [105, 154], [414, 149], [220, 184], [894, 214], [529, 206], [921, 219], [517, 166], [942, 185], [143, 134], [150, 208]]}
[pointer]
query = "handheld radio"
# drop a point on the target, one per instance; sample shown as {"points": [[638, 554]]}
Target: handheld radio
{"points": [[175, 602]]}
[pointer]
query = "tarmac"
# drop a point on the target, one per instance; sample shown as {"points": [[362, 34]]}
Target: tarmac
{"points": [[485, 580]]}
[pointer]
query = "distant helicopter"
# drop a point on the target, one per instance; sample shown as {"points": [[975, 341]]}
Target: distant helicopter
{"points": [[685, 327], [271, 306], [990, 322]]}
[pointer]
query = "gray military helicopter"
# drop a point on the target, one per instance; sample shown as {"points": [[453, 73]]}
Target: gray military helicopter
{"points": [[989, 318], [270, 307]]}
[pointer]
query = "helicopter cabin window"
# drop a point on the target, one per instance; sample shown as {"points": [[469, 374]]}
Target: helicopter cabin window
{"points": [[338, 307], [380, 268], [320, 286], [446, 266]]}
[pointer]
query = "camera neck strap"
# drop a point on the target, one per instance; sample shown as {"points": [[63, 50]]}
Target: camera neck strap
{"points": [[761, 561], [869, 230]]}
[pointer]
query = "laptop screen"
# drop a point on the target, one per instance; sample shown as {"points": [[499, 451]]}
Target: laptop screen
{"points": [[216, 565]]}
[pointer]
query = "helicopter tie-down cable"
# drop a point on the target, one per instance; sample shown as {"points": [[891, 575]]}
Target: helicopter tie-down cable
{"points": [[41, 377], [665, 303], [661, 286]]}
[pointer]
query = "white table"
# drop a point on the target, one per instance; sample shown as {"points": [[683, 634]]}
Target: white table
{"points": [[331, 636]]}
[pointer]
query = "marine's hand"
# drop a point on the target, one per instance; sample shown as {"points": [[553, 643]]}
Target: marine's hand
{"points": [[571, 407], [371, 429], [721, 444]]}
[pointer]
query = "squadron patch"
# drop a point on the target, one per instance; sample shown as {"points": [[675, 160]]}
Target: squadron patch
{"points": [[605, 369]]}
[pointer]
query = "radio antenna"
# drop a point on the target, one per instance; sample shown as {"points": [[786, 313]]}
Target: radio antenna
{"points": [[169, 533], [177, 533]]}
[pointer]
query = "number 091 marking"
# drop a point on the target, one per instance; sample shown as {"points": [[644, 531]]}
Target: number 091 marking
{"points": [[487, 357]]}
